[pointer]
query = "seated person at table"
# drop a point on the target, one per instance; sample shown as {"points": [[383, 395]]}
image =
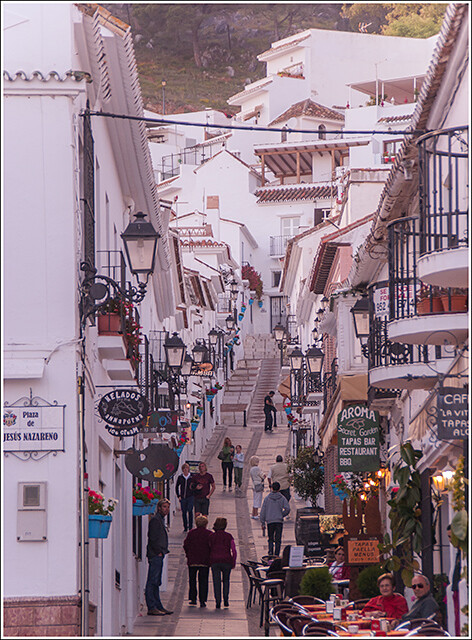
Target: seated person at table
{"points": [[388, 604], [338, 568], [424, 605], [278, 564]]}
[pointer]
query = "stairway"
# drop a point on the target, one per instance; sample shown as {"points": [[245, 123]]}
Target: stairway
{"points": [[268, 380]]}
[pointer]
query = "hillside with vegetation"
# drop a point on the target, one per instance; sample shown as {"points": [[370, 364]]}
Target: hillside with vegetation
{"points": [[195, 56]]}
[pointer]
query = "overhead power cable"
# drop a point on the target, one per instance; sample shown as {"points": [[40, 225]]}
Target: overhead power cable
{"points": [[206, 125]]}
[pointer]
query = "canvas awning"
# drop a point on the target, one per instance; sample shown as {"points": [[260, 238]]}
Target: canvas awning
{"points": [[351, 389], [284, 387]]}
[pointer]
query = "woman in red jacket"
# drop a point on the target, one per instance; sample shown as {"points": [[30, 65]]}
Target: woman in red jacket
{"points": [[222, 560], [197, 550], [388, 604], [338, 569]]}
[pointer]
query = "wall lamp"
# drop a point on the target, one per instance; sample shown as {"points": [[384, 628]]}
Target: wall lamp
{"points": [[279, 335], [360, 315], [305, 375], [140, 242], [230, 322], [442, 480]]}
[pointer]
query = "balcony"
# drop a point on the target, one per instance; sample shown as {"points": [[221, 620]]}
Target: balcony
{"points": [[278, 245], [420, 313], [396, 366], [444, 208]]}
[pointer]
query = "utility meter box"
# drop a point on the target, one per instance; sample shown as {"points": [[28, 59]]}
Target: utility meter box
{"points": [[31, 522]]}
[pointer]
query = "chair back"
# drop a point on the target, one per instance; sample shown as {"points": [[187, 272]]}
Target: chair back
{"points": [[429, 630], [281, 618], [315, 630], [297, 622], [306, 600], [417, 622], [282, 606]]}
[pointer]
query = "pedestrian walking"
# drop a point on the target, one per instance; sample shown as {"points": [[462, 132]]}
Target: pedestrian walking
{"points": [[185, 496], [238, 463], [222, 560], [279, 473], [269, 411], [257, 478], [274, 509], [157, 549], [226, 456], [202, 485], [197, 550]]}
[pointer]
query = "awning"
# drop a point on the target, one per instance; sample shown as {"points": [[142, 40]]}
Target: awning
{"points": [[284, 387], [419, 423], [351, 389]]}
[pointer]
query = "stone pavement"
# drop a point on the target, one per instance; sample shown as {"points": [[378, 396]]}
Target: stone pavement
{"points": [[236, 621]]}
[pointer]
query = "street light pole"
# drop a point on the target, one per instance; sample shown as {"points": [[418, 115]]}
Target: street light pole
{"points": [[163, 83]]}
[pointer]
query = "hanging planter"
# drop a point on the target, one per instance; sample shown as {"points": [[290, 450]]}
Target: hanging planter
{"points": [[199, 411], [260, 303], [251, 301], [99, 525], [140, 508], [243, 308], [194, 425], [240, 317]]}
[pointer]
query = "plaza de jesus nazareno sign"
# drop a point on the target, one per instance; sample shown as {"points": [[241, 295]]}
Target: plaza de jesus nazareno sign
{"points": [[358, 439]]}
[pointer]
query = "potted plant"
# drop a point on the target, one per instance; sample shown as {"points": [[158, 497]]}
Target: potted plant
{"points": [[367, 580], [109, 321], [317, 582], [145, 500], [255, 281], [100, 514], [428, 300], [454, 300]]}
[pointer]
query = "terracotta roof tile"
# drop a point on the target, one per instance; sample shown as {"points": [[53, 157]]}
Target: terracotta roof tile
{"points": [[308, 108], [403, 118], [287, 193]]}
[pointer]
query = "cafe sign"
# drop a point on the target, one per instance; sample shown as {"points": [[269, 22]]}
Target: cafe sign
{"points": [[160, 421], [453, 413], [123, 410], [358, 439]]}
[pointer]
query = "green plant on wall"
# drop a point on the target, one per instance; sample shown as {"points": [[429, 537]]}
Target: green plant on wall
{"points": [[460, 521], [405, 517], [317, 582], [308, 475]]}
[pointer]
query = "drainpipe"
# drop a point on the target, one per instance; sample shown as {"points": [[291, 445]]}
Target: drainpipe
{"points": [[84, 542]]}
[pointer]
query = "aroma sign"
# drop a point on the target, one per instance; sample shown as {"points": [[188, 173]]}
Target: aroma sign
{"points": [[358, 439], [123, 410]]}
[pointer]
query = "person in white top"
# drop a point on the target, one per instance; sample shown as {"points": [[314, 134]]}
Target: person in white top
{"points": [[257, 478], [238, 464]]}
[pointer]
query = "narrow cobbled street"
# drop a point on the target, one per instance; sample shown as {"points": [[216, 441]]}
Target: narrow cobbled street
{"points": [[190, 621]]}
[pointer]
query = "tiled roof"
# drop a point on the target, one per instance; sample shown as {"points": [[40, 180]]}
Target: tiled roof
{"points": [[308, 108], [287, 193], [248, 91], [404, 118]]}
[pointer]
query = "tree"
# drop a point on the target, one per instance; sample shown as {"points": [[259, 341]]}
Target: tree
{"points": [[308, 475], [372, 12], [280, 17], [413, 20]]}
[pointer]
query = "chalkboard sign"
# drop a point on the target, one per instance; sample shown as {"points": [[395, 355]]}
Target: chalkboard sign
{"points": [[362, 550], [453, 413], [308, 534]]}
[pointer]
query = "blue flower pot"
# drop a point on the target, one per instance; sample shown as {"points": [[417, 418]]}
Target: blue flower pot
{"points": [[260, 304], [251, 301], [240, 317], [194, 425], [99, 526], [199, 411]]}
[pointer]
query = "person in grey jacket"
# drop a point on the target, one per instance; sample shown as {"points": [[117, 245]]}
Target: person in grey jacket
{"points": [[425, 605], [274, 509], [157, 548]]}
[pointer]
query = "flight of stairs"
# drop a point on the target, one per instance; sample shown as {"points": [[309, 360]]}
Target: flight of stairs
{"points": [[268, 380]]}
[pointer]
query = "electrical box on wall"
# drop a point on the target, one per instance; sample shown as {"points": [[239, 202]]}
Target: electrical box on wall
{"points": [[31, 521]]}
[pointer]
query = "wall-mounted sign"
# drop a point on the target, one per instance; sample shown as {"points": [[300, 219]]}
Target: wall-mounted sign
{"points": [[363, 550], [155, 462], [38, 426], [453, 413], [203, 370], [381, 299], [358, 439], [160, 421], [123, 410]]}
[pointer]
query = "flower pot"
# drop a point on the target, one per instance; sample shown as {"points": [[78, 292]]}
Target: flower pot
{"points": [[194, 425], [251, 301], [429, 306], [240, 317], [260, 304], [99, 526], [458, 303], [109, 324], [199, 411]]}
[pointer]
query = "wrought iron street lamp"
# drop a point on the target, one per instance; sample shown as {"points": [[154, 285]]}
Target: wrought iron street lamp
{"points": [[360, 314], [213, 337], [140, 242], [279, 335], [174, 349], [230, 322], [314, 360], [187, 365], [199, 352], [296, 359]]}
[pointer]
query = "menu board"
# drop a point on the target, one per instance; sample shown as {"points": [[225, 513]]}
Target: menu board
{"points": [[363, 551]]}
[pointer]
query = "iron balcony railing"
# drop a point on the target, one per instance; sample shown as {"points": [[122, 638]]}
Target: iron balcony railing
{"points": [[330, 382], [384, 353], [278, 245], [444, 189], [408, 295]]}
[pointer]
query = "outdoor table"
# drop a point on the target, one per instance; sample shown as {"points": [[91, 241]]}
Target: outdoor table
{"points": [[318, 611]]}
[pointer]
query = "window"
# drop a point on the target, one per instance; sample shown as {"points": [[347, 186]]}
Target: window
{"points": [[276, 278], [322, 132], [289, 226], [320, 215]]}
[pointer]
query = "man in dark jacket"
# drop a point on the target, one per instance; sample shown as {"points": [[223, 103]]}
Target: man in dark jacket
{"points": [[274, 509], [425, 605], [269, 411], [157, 548]]}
